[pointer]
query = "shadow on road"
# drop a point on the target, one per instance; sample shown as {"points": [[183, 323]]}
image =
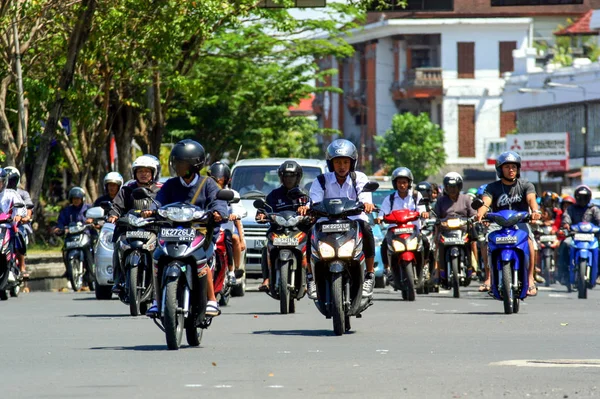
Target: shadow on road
{"points": [[473, 313], [251, 313], [87, 297], [304, 333], [141, 348], [101, 316]]}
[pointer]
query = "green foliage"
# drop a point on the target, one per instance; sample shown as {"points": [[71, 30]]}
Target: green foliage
{"points": [[414, 142]]}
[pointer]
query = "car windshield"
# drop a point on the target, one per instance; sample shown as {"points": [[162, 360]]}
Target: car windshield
{"points": [[264, 178], [379, 196]]}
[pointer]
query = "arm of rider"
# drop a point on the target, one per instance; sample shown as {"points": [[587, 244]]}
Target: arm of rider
{"points": [[425, 215], [487, 201], [369, 207], [217, 217], [533, 205]]}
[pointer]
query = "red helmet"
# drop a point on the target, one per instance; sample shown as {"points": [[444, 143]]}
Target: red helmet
{"points": [[568, 198]]}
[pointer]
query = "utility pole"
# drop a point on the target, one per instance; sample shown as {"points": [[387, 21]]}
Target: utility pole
{"points": [[584, 131]]}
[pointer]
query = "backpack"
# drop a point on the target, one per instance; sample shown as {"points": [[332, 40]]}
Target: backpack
{"points": [[415, 196], [321, 179]]}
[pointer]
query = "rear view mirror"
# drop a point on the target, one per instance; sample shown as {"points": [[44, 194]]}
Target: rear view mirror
{"points": [[297, 193], [141, 193], [225, 195], [29, 206], [370, 187], [95, 213], [106, 205], [424, 201], [477, 203], [18, 205], [259, 204]]}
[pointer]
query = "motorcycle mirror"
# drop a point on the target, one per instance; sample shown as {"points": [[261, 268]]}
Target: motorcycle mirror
{"points": [[236, 198], [95, 213], [225, 195], [296, 193], [370, 187], [140, 193], [29, 206], [424, 201], [477, 203], [18, 205], [259, 204], [106, 205]]}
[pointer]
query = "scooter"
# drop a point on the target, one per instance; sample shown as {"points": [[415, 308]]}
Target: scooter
{"points": [[10, 273], [547, 241], [455, 244], [583, 267]]}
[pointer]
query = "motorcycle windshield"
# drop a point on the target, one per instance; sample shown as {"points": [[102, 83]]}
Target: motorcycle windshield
{"points": [[507, 218], [75, 228], [336, 206], [585, 227]]}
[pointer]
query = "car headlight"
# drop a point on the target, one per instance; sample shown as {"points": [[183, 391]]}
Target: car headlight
{"points": [[106, 237], [326, 250], [346, 250]]}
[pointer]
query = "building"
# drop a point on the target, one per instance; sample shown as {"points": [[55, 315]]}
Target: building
{"points": [[443, 57]]}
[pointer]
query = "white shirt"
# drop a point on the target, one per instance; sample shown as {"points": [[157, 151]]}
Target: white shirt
{"points": [[236, 209], [346, 190], [407, 203], [8, 197], [192, 183]]}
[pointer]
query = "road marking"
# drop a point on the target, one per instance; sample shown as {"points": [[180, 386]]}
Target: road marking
{"points": [[382, 351], [550, 363], [477, 304], [222, 386], [193, 385], [558, 295], [284, 352], [315, 351], [426, 310], [274, 386]]}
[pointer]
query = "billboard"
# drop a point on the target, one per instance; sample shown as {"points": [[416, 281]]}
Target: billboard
{"points": [[542, 152], [493, 148], [590, 175]]}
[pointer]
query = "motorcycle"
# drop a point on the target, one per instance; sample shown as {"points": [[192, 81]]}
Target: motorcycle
{"points": [[286, 245], [547, 241], [405, 252], [222, 287], [456, 252], [135, 252], [77, 254], [181, 259], [583, 251], [508, 257], [427, 233], [338, 262], [10, 274]]}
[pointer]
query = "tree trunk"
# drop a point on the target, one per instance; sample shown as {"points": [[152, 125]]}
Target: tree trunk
{"points": [[78, 37], [7, 140], [156, 131]]}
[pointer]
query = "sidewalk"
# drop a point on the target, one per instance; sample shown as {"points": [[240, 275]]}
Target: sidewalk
{"points": [[45, 272]]}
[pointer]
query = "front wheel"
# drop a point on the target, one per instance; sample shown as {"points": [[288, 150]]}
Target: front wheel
{"points": [[3, 295], [337, 304], [173, 320], [507, 292], [14, 291], [75, 273], [455, 278], [546, 266], [581, 283], [134, 298], [409, 281], [284, 292]]}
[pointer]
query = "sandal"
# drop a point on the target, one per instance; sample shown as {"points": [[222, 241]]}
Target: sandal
{"points": [[532, 290], [484, 288], [264, 287]]}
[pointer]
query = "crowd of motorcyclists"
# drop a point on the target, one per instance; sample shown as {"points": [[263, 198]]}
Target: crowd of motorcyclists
{"points": [[422, 222]]}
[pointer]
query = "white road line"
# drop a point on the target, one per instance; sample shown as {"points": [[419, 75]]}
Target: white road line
{"points": [[274, 386], [222, 386], [193, 385], [570, 363]]}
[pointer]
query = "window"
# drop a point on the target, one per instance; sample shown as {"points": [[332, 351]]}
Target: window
{"points": [[411, 5], [420, 57], [466, 131], [500, 3], [508, 122], [466, 60], [506, 62]]}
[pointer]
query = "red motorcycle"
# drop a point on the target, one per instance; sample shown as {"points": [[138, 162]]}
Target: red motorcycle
{"points": [[405, 252], [222, 288], [10, 274]]}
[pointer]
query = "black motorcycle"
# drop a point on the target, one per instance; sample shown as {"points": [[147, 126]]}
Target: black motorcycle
{"points": [[547, 241], [338, 261], [286, 243], [78, 253], [455, 250]]}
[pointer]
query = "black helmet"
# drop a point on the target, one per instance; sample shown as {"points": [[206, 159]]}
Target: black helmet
{"points": [[453, 179], [219, 170], [425, 189], [341, 148], [402, 172], [189, 152], [550, 199], [290, 168], [583, 195], [76, 192], [508, 157], [13, 177]]}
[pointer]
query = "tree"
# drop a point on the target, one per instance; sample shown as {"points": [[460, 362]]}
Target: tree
{"points": [[414, 142]]}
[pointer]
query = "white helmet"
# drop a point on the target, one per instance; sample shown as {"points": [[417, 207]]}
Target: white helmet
{"points": [[147, 161], [113, 177]]}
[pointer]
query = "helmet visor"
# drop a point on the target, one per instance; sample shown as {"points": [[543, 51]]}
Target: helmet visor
{"points": [[179, 167]]}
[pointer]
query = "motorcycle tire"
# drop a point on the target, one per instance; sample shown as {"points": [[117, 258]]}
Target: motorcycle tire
{"points": [[292, 308], [546, 263], [193, 333], [284, 292], [409, 281], [455, 278], [14, 291], [347, 323], [380, 282], [173, 321], [75, 275], [132, 292], [3, 295], [581, 283], [103, 292], [337, 304], [507, 291]]}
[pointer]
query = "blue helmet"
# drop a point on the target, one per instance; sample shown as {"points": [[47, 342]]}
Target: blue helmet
{"points": [[481, 190], [341, 148], [508, 157]]}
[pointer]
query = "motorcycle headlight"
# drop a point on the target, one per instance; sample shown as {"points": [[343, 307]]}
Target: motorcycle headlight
{"points": [[178, 214], [106, 237], [346, 250], [136, 221], [280, 220], [326, 251], [291, 222]]}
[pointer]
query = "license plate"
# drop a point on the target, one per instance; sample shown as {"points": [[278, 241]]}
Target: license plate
{"points": [[167, 234], [72, 244], [285, 241], [259, 244], [506, 240], [583, 237], [138, 234], [549, 238], [453, 240], [403, 230], [335, 227]]}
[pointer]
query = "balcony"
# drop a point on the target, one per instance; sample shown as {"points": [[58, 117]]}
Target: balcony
{"points": [[317, 104], [424, 82]]}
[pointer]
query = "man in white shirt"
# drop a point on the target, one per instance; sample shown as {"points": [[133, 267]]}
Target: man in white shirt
{"points": [[339, 183]]}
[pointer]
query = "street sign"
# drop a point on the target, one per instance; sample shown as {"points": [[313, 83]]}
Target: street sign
{"points": [[590, 175], [493, 148], [295, 4], [542, 152]]}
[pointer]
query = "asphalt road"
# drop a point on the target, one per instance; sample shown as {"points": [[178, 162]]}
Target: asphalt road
{"points": [[71, 345]]}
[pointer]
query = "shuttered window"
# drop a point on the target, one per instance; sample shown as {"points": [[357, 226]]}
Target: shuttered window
{"points": [[508, 122], [506, 63], [466, 131], [466, 60]]}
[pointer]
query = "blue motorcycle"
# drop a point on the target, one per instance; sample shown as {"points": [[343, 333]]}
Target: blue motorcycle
{"points": [[508, 250], [583, 267]]}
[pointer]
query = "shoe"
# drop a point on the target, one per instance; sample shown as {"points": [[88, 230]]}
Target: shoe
{"points": [[264, 287], [231, 278], [539, 279], [368, 284], [311, 289], [212, 309], [116, 289], [152, 312]]}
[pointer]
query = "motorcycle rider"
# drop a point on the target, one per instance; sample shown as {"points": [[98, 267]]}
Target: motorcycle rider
{"points": [[510, 192], [453, 203], [403, 198], [146, 173], [186, 159], [113, 181], [343, 180], [233, 230], [14, 177], [582, 211], [290, 175], [435, 193]]}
